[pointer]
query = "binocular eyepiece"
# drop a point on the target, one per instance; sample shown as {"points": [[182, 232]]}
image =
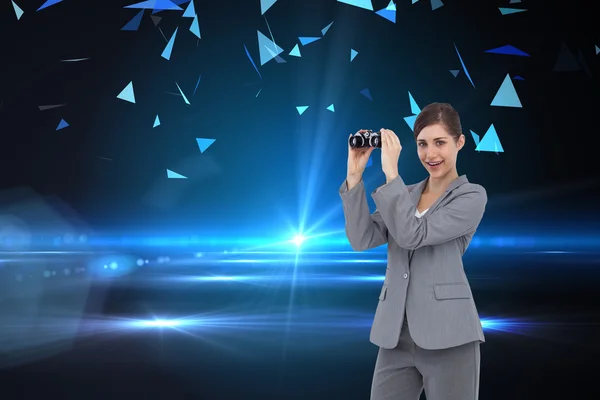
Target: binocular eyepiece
{"points": [[365, 139]]}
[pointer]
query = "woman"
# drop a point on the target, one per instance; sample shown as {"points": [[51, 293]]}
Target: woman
{"points": [[426, 324]]}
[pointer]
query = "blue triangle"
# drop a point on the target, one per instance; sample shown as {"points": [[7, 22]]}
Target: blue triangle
{"points": [[307, 40], [369, 162], [455, 72], [390, 15], [174, 175], [156, 122], [367, 93], [435, 4], [195, 27], [20, 12], [508, 49], [410, 121], [366, 4], [597, 49], [475, 138], [490, 141], [324, 30], [62, 124], [295, 51], [48, 3], [518, 78], [127, 93], [265, 5], [331, 108], [134, 24], [189, 12], [506, 95], [353, 54], [301, 109], [264, 45], [204, 144], [169, 48], [507, 11], [414, 108]]}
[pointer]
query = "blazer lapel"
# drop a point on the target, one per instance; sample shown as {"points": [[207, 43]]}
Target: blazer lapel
{"points": [[415, 196]]}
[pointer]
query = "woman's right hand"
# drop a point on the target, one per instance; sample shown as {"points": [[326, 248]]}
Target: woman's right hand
{"points": [[357, 160]]}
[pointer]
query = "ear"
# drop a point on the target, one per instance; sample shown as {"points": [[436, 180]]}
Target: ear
{"points": [[460, 142]]}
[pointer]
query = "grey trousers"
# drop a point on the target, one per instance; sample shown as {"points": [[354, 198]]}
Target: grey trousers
{"points": [[404, 372]]}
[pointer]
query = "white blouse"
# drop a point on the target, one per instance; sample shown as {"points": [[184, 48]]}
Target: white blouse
{"points": [[421, 214]]}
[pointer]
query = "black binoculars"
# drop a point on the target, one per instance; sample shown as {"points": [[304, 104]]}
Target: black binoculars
{"points": [[365, 139]]}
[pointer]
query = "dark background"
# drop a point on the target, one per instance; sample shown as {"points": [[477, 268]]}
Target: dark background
{"points": [[109, 167]]}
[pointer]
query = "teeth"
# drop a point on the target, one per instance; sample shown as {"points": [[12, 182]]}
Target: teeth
{"points": [[435, 163]]}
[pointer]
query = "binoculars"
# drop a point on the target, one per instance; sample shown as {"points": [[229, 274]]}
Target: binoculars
{"points": [[365, 139]]}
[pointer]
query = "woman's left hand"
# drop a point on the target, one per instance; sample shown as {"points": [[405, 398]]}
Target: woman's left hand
{"points": [[390, 153]]}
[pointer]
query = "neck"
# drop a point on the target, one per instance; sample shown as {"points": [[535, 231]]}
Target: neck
{"points": [[438, 185]]}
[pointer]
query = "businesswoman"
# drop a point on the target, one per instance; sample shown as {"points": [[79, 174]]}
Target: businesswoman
{"points": [[426, 324]]}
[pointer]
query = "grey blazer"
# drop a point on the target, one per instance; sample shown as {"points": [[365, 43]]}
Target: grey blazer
{"points": [[425, 277]]}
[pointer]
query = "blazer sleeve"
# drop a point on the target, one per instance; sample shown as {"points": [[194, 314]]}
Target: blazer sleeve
{"points": [[459, 217], [363, 229]]}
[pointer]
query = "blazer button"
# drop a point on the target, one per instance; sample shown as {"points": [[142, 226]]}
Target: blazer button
{"points": [[405, 275]]}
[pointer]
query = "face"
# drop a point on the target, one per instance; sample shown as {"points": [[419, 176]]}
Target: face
{"points": [[435, 145]]}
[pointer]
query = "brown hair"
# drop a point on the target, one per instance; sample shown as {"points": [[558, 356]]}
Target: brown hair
{"points": [[439, 113]]}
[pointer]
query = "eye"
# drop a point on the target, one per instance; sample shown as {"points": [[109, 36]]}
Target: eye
{"points": [[440, 142]]}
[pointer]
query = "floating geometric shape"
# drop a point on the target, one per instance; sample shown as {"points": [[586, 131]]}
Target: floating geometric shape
{"points": [[183, 95], [62, 124], [204, 144], [197, 83], [257, 93], [134, 24], [464, 66], [265, 44], [301, 109], [49, 3], [367, 93], [410, 121], [127, 94], [597, 49], [252, 61], [518, 78], [18, 10], [190, 11], [309, 39], [506, 95], [169, 48], [435, 4], [353, 54], [331, 108], [174, 175], [455, 72], [507, 11], [583, 63], [195, 27], [324, 30], [366, 4], [508, 49], [49, 107], [156, 5], [265, 5], [475, 138], [490, 141], [566, 60], [514, 1], [279, 60], [156, 122], [75, 59], [414, 108], [389, 12], [155, 19], [295, 51]]}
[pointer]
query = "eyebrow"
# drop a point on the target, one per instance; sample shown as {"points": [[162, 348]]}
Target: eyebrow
{"points": [[423, 140]]}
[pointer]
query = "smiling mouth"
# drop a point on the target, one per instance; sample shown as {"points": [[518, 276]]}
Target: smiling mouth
{"points": [[434, 164]]}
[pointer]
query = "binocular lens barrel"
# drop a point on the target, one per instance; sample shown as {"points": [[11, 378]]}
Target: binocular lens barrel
{"points": [[366, 139]]}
